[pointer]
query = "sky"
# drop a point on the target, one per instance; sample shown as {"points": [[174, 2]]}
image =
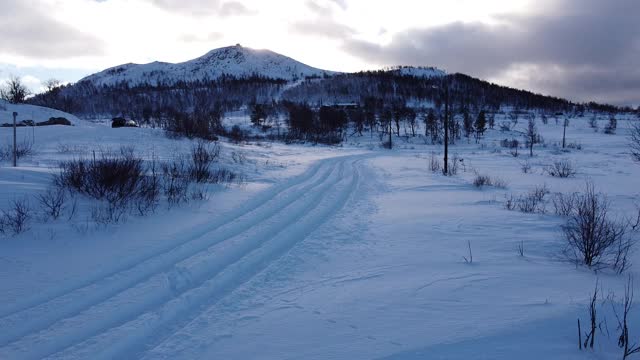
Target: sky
{"points": [[582, 50]]}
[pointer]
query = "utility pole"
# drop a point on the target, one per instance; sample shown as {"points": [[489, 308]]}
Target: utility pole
{"points": [[15, 146], [446, 130], [564, 132]]}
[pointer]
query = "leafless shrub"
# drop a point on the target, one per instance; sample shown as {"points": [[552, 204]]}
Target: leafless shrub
{"points": [[486, 180], [634, 141], [52, 202], [561, 169], [623, 321], [203, 154], [176, 181], [225, 176], [593, 123], [593, 238], [611, 126], [149, 194], [505, 126], [199, 193], [526, 167], [238, 157], [23, 149], [434, 163], [454, 165], [109, 213], [593, 324], [118, 179], [574, 146], [564, 204], [532, 202], [16, 218], [521, 248], [510, 202], [73, 209]]}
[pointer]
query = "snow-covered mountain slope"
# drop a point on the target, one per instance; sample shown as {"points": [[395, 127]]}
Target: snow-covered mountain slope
{"points": [[32, 112], [235, 60]]}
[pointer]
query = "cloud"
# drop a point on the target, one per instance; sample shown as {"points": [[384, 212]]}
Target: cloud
{"points": [[341, 3], [580, 49], [204, 7], [323, 23], [319, 10], [211, 37], [27, 30], [323, 27], [233, 8]]}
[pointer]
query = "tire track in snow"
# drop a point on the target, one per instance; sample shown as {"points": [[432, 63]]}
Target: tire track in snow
{"points": [[59, 339]]}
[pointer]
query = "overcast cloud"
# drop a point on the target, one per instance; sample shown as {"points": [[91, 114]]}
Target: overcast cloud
{"points": [[580, 49], [27, 30]]}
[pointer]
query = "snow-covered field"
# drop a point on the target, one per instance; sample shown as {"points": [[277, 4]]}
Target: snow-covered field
{"points": [[352, 252]]}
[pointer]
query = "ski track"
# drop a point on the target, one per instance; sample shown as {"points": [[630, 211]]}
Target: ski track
{"points": [[137, 305]]}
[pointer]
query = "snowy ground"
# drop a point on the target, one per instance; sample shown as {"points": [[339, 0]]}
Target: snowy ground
{"points": [[325, 253]]}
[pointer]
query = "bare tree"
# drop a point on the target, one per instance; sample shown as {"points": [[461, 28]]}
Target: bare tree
{"points": [[532, 135], [14, 91], [592, 236], [52, 84]]}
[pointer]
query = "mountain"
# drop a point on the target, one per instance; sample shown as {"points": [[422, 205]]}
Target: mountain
{"points": [[237, 61]]}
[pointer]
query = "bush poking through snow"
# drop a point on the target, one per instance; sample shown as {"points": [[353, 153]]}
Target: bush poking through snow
{"points": [[115, 178], [532, 202], [481, 181], [454, 165], [561, 169], [15, 220], [564, 205], [634, 142], [52, 202], [23, 149], [203, 154], [434, 163], [611, 126], [593, 238], [176, 181], [623, 321], [526, 167]]}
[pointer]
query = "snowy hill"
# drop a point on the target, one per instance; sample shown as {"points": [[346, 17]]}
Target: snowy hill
{"points": [[235, 60], [32, 112]]}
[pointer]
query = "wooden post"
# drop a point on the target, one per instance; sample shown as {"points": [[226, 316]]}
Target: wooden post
{"points": [[446, 130], [15, 146], [564, 132]]}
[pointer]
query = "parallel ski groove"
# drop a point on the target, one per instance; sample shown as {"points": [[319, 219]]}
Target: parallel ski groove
{"points": [[259, 200], [322, 184]]}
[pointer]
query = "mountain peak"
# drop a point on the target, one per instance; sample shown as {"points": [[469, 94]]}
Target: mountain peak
{"points": [[234, 60]]}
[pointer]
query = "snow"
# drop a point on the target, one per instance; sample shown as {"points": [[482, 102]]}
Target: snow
{"points": [[420, 71], [31, 112], [236, 61], [351, 252]]}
